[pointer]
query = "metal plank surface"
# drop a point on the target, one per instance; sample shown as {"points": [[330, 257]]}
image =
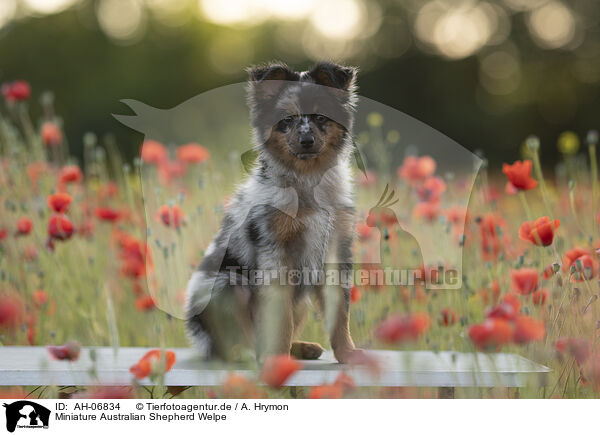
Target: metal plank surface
{"points": [[22, 365]]}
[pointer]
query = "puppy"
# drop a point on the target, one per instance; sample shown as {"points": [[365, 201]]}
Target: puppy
{"points": [[287, 226]]}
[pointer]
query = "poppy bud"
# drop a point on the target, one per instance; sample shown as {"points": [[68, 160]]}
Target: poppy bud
{"points": [[51, 134], [18, 90]]}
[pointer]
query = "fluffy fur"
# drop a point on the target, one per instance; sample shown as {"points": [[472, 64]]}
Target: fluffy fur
{"points": [[295, 211]]}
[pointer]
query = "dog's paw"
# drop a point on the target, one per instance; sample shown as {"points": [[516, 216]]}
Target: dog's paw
{"points": [[349, 356], [306, 350]]}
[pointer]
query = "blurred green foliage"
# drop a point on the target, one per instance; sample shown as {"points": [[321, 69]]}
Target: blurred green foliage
{"points": [[556, 89]]}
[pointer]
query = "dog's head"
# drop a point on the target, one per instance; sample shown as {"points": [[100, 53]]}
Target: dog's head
{"points": [[303, 119]]}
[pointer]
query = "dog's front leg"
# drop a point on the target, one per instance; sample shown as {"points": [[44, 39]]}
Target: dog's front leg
{"points": [[340, 338], [334, 303], [275, 320]]}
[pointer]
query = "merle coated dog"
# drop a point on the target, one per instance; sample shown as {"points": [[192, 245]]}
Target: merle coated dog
{"points": [[295, 213]]}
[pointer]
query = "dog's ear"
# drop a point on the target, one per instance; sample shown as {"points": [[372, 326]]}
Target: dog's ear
{"points": [[334, 76], [267, 80]]}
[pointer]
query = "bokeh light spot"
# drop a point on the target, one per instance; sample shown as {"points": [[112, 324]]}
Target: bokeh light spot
{"points": [[552, 25], [120, 19], [338, 19]]}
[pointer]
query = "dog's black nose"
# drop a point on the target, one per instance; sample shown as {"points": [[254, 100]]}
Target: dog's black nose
{"points": [[307, 141]]}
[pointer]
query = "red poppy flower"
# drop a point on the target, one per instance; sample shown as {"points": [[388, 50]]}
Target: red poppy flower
{"points": [[192, 153], [415, 169], [11, 312], [507, 309], [170, 169], [107, 214], [24, 226], [528, 329], [492, 333], [152, 363], [448, 317], [490, 293], [35, 170], [51, 134], [145, 303], [70, 174], [510, 189], [40, 298], [3, 233], [590, 373], [519, 174], [355, 294], [237, 386], [524, 280], [69, 351], [277, 369], [585, 265], [31, 329], [364, 231], [13, 393], [381, 216], [491, 228], [59, 202], [133, 267], [539, 297], [586, 268], [60, 227], [456, 215], [18, 90], [578, 348], [512, 299], [360, 358], [326, 391], [153, 152], [550, 271], [30, 253], [539, 232], [133, 255], [170, 216], [369, 179], [345, 381], [572, 255], [427, 210], [108, 190], [431, 189], [403, 327]]}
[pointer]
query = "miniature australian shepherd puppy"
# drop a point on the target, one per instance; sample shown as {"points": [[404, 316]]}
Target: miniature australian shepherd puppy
{"points": [[295, 213]]}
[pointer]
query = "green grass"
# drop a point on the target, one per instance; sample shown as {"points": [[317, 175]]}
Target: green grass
{"points": [[92, 302]]}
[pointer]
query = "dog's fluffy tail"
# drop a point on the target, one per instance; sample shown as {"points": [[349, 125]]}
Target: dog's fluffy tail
{"points": [[198, 294]]}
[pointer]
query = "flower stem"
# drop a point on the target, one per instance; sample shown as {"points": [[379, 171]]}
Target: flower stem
{"points": [[537, 167], [573, 206], [525, 205], [594, 174]]}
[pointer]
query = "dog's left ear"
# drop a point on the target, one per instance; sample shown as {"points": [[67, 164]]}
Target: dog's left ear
{"points": [[267, 80], [334, 75]]}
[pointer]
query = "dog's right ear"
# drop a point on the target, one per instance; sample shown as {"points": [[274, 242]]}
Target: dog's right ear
{"points": [[267, 80]]}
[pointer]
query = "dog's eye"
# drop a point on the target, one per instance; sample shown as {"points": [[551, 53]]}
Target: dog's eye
{"points": [[320, 118], [288, 119]]}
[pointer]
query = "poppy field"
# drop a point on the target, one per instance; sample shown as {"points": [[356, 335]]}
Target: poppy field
{"points": [[82, 250]]}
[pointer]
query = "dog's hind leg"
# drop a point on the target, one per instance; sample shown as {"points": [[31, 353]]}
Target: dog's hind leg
{"points": [[212, 320]]}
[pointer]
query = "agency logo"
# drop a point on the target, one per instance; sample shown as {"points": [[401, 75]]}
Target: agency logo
{"points": [[25, 414]]}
